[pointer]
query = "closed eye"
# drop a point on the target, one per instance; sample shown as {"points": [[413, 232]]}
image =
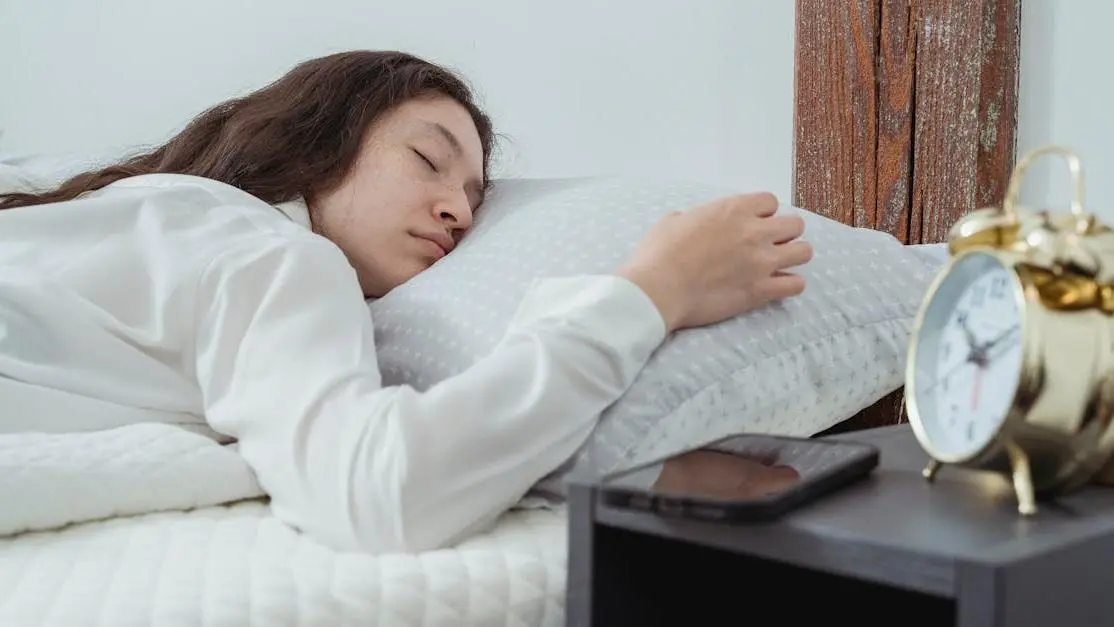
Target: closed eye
{"points": [[428, 162]]}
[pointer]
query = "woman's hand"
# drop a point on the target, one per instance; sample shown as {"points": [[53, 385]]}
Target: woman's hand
{"points": [[719, 260]]}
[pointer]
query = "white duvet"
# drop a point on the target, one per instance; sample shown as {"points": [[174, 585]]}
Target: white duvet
{"points": [[153, 525]]}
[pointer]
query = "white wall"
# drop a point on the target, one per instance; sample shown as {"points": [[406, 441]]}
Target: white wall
{"points": [[1066, 92], [648, 87], [695, 90]]}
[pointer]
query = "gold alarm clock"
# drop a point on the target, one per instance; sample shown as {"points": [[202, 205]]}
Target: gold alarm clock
{"points": [[1011, 360]]}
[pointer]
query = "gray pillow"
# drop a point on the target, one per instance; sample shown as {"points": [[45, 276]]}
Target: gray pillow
{"points": [[795, 367]]}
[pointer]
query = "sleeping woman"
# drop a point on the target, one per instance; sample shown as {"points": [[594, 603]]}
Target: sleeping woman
{"points": [[219, 280]]}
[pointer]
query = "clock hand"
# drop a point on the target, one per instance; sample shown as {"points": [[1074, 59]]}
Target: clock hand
{"points": [[968, 334], [955, 368], [975, 389], [974, 353], [1001, 336], [981, 354], [978, 354], [1000, 341]]}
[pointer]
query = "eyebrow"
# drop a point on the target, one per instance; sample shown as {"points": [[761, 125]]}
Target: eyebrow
{"points": [[474, 188], [440, 129]]}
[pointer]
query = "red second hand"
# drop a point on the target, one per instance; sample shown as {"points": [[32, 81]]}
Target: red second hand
{"points": [[977, 387]]}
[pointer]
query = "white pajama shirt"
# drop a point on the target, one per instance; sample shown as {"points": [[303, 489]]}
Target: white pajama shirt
{"points": [[176, 299]]}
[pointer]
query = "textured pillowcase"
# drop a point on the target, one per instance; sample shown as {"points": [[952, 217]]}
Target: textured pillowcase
{"points": [[794, 367]]}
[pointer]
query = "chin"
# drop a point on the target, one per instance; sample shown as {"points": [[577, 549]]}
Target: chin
{"points": [[380, 283], [405, 277]]}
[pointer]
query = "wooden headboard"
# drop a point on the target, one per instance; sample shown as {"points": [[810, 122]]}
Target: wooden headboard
{"points": [[905, 117]]}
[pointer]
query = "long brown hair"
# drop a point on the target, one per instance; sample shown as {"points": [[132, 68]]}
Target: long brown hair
{"points": [[297, 137]]}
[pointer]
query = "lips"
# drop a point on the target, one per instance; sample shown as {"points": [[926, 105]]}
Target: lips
{"points": [[443, 244]]}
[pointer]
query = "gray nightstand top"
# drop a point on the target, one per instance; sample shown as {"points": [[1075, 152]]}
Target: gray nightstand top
{"points": [[896, 528]]}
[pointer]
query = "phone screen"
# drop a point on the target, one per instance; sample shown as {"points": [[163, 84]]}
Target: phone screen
{"points": [[739, 468]]}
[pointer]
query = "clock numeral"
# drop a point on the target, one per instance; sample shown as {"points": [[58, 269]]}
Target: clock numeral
{"points": [[998, 287], [971, 430], [961, 317]]}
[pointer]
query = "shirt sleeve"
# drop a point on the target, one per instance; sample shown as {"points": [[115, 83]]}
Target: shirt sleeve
{"points": [[286, 364]]}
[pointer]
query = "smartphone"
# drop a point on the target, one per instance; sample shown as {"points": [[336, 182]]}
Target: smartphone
{"points": [[741, 478]]}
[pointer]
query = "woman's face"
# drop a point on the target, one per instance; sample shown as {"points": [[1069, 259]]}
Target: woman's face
{"points": [[410, 195]]}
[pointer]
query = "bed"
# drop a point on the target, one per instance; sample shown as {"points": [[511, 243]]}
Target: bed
{"points": [[905, 120]]}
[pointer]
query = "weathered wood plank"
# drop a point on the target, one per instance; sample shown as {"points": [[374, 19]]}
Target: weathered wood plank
{"points": [[998, 98], [835, 128], [905, 117], [846, 160], [965, 109], [896, 69], [905, 113]]}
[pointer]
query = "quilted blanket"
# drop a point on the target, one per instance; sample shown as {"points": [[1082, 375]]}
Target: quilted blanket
{"points": [[153, 525], [48, 480]]}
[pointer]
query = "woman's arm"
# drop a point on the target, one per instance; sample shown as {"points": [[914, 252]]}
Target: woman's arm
{"points": [[286, 363]]}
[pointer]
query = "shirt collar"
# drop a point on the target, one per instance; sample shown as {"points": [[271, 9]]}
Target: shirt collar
{"points": [[296, 210]]}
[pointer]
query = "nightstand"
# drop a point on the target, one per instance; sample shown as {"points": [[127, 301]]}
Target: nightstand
{"points": [[890, 550]]}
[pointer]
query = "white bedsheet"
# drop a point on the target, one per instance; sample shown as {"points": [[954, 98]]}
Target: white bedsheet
{"points": [[236, 565], [150, 524]]}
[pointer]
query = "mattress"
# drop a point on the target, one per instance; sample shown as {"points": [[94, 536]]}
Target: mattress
{"points": [[152, 524], [237, 565]]}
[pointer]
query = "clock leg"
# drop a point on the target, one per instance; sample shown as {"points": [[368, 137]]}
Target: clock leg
{"points": [[1022, 481], [931, 469]]}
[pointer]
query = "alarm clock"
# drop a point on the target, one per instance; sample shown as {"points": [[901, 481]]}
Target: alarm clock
{"points": [[1011, 359]]}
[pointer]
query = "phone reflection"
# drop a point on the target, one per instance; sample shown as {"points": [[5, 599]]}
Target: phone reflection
{"points": [[717, 475]]}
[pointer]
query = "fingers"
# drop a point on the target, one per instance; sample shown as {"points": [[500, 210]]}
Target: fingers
{"points": [[781, 229], [792, 254], [781, 285], [761, 204], [764, 204]]}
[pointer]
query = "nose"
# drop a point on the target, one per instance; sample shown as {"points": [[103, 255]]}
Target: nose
{"points": [[455, 212]]}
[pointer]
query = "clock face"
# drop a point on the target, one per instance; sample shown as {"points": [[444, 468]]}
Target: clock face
{"points": [[968, 356]]}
